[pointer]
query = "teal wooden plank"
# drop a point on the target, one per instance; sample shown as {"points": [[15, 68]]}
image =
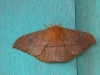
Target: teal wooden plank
{"points": [[18, 17], [88, 19]]}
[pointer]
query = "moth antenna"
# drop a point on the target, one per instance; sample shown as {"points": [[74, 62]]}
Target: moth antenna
{"points": [[45, 25], [59, 24], [51, 25]]}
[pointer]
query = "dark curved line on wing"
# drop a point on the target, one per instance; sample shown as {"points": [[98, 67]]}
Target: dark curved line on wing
{"points": [[53, 46]]}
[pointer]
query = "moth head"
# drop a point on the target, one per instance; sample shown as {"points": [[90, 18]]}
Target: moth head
{"points": [[50, 26]]}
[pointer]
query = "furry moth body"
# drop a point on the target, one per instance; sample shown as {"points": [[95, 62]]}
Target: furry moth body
{"points": [[54, 44]]}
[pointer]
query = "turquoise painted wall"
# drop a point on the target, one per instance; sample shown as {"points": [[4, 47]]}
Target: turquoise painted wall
{"points": [[18, 17], [88, 19]]}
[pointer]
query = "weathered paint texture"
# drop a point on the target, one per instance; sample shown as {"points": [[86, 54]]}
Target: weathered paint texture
{"points": [[18, 17], [88, 19]]}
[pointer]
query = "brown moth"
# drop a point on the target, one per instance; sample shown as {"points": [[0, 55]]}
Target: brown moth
{"points": [[54, 44]]}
